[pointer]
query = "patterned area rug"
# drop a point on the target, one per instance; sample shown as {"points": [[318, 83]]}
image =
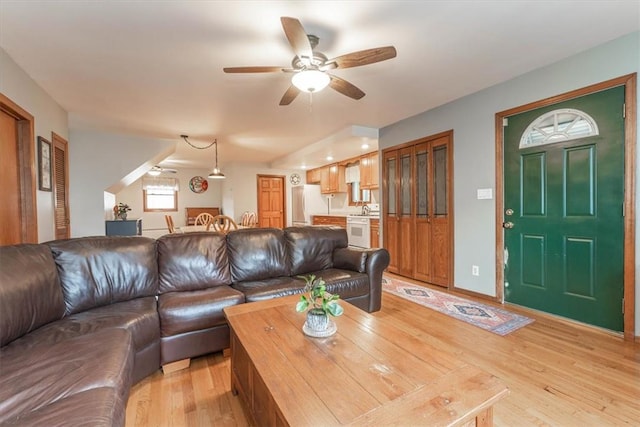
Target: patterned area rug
{"points": [[493, 319]]}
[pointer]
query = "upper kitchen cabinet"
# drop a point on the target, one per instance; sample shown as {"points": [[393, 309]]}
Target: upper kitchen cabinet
{"points": [[332, 179], [369, 171], [313, 176]]}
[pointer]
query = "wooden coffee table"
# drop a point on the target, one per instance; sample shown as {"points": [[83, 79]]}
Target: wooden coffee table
{"points": [[368, 373]]}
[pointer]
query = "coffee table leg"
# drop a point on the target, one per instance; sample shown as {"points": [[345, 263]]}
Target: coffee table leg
{"points": [[485, 418]]}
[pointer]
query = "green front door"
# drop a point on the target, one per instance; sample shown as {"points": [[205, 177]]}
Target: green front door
{"points": [[564, 230]]}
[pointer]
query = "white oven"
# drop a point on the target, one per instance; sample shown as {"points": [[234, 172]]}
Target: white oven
{"points": [[359, 231]]}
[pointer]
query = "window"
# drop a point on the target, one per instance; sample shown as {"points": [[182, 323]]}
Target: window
{"points": [[358, 195], [558, 126], [160, 194]]}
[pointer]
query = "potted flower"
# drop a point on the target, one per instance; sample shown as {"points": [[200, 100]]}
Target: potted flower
{"points": [[120, 211], [320, 304]]}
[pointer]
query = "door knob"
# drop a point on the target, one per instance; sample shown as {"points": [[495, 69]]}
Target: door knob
{"points": [[507, 224]]}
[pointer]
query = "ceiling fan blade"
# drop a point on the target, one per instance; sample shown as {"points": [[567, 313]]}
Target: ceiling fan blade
{"points": [[345, 88], [297, 37], [252, 69], [363, 57], [289, 95]]}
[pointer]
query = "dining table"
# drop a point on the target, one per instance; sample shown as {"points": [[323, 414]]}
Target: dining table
{"points": [[195, 228]]}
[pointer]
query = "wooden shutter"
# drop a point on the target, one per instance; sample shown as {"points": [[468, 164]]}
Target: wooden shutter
{"points": [[61, 188]]}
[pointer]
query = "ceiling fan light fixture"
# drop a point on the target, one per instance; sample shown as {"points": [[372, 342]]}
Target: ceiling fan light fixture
{"points": [[154, 172], [310, 80]]}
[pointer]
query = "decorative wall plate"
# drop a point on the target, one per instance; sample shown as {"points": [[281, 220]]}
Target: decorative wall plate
{"points": [[198, 184], [294, 179]]}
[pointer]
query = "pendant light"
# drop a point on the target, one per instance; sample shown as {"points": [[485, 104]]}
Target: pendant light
{"points": [[216, 174]]}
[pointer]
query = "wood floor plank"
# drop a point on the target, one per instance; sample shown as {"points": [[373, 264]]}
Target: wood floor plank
{"points": [[559, 373]]}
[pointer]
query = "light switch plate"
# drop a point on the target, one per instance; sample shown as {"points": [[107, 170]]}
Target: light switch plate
{"points": [[485, 193]]}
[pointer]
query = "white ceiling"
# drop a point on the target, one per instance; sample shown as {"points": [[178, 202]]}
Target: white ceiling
{"points": [[154, 68]]}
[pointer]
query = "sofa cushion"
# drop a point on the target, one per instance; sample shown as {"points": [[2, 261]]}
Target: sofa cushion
{"points": [[258, 290], [31, 380], [139, 316], [30, 293], [311, 248], [98, 407], [97, 271], [192, 261], [257, 253], [195, 310]]}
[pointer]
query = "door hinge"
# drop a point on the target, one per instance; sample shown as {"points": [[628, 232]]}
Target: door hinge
{"points": [[624, 111], [622, 305], [623, 210], [505, 121]]}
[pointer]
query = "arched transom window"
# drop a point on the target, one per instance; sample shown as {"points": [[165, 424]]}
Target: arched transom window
{"points": [[558, 126]]}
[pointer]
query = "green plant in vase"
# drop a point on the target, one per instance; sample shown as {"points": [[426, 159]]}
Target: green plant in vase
{"points": [[320, 304], [120, 210]]}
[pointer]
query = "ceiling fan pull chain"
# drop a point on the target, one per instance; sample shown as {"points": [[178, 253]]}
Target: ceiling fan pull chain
{"points": [[311, 102]]}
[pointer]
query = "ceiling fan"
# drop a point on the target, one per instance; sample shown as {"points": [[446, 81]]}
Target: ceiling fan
{"points": [[311, 68], [157, 170]]}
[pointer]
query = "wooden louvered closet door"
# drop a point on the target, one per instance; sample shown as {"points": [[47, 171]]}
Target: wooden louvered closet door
{"points": [[61, 187]]}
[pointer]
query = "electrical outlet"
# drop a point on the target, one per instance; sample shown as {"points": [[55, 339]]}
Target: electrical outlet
{"points": [[475, 270]]}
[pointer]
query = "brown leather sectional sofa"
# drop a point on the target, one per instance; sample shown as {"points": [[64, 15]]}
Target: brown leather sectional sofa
{"points": [[83, 319]]}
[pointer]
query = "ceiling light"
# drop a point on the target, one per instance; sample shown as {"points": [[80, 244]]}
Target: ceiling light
{"points": [[303, 167], [310, 80], [329, 158], [154, 172], [216, 174], [364, 146]]}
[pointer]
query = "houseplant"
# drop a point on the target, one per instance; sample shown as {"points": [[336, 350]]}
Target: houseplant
{"points": [[320, 305], [120, 211]]}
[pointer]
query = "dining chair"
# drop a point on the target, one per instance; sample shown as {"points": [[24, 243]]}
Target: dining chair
{"points": [[170, 226], [249, 219], [204, 218], [223, 224]]}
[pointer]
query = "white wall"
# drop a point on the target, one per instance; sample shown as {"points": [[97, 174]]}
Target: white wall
{"points": [[49, 117], [472, 119], [240, 188], [153, 223], [105, 162]]}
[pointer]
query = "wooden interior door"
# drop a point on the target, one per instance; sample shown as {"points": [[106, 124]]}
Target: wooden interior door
{"points": [[418, 209], [390, 185], [271, 201], [18, 212], [61, 187], [10, 221]]}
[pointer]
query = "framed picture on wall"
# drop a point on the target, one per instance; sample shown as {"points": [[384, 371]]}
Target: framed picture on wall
{"points": [[44, 164]]}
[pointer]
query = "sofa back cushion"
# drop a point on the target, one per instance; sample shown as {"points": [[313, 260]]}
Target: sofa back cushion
{"points": [[311, 248], [192, 261], [30, 293], [257, 253], [96, 271]]}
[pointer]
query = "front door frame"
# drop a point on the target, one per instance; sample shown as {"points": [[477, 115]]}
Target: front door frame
{"points": [[629, 81], [27, 169]]}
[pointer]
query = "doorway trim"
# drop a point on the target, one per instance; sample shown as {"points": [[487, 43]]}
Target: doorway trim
{"points": [[26, 166], [629, 81]]}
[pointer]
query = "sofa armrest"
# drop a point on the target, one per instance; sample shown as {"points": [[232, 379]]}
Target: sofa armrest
{"points": [[372, 262]]}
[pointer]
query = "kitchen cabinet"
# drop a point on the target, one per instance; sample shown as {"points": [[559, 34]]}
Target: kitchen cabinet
{"points": [[339, 221], [369, 171], [374, 225], [313, 176], [332, 179]]}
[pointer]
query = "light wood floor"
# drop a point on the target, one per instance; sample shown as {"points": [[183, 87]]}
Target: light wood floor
{"points": [[559, 374]]}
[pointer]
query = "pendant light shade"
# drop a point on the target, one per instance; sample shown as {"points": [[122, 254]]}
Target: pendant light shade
{"points": [[216, 174]]}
